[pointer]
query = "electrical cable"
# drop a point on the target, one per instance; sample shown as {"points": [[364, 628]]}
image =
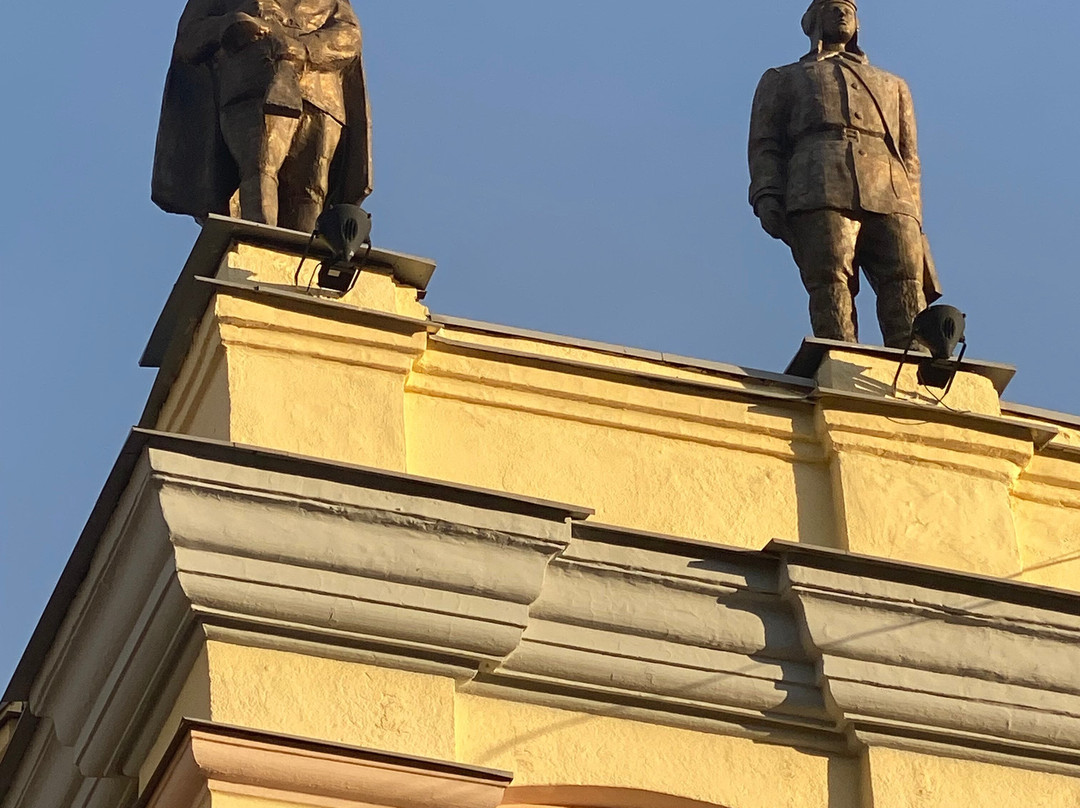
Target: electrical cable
{"points": [[303, 258], [359, 267]]}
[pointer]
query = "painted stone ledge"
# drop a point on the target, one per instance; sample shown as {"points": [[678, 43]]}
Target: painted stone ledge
{"points": [[390, 569], [210, 764], [926, 660], [681, 629], [519, 598]]}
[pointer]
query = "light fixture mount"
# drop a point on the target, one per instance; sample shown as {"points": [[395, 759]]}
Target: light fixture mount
{"points": [[346, 230], [939, 329]]}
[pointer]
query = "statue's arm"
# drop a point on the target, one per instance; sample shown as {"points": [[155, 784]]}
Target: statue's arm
{"points": [[767, 152], [909, 144], [337, 42]]}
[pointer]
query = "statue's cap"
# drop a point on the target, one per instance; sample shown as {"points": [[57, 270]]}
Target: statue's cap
{"points": [[809, 20], [811, 25]]}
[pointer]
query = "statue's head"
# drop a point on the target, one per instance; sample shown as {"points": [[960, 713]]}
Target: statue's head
{"points": [[832, 22]]}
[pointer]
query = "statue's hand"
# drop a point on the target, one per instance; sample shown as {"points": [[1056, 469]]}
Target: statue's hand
{"points": [[243, 31], [770, 211], [290, 49]]}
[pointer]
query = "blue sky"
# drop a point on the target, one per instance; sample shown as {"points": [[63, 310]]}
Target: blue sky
{"points": [[576, 167]]}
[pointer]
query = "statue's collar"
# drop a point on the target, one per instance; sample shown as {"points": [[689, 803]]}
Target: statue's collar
{"points": [[820, 56]]}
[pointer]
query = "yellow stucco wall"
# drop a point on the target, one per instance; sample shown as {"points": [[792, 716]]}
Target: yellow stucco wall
{"points": [[426, 716], [548, 747], [342, 702], [636, 469], [900, 779], [1046, 506], [647, 443]]}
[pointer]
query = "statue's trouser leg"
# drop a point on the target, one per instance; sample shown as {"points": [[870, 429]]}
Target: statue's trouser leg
{"points": [[259, 144], [890, 251], [305, 175], [823, 245]]}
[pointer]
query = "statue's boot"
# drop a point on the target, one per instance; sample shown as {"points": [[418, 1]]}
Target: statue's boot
{"points": [[898, 303], [832, 312]]}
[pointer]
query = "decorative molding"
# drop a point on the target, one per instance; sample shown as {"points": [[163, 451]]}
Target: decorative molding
{"points": [[521, 598], [210, 758], [909, 666], [930, 443], [760, 420], [244, 323], [674, 631]]}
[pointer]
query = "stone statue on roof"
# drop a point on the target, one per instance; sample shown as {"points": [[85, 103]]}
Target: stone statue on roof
{"points": [[834, 168], [265, 113]]}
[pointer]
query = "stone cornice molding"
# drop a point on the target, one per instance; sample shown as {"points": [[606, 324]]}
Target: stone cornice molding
{"points": [[207, 758], [523, 598], [969, 669], [671, 629]]}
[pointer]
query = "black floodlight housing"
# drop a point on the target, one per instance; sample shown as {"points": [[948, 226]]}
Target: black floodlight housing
{"points": [[347, 230], [938, 329]]}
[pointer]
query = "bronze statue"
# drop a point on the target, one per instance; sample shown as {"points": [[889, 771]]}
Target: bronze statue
{"points": [[834, 168], [265, 113]]}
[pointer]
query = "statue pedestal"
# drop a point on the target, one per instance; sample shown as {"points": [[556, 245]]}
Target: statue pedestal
{"points": [[870, 370], [918, 477], [249, 357]]}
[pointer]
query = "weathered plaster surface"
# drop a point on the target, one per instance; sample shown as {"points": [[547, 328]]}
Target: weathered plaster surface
{"points": [[901, 779], [341, 702], [258, 590], [546, 747], [646, 440], [273, 593]]}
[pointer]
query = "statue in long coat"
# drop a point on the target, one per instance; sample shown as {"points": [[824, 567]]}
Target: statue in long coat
{"points": [[265, 113]]}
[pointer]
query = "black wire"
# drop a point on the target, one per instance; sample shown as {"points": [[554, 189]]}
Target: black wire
{"points": [[311, 277], [359, 268], [307, 251], [903, 361], [303, 258]]}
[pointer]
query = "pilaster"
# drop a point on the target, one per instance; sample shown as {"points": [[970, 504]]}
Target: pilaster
{"points": [[920, 475]]}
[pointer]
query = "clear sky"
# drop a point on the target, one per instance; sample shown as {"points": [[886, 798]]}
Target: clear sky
{"points": [[575, 166]]}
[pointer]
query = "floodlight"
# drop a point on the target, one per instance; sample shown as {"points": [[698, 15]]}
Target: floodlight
{"points": [[938, 329], [346, 229]]}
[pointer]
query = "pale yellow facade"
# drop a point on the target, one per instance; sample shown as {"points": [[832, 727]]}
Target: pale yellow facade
{"points": [[646, 442], [766, 591]]}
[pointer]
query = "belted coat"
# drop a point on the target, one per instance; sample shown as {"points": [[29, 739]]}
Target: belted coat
{"points": [[835, 132]]}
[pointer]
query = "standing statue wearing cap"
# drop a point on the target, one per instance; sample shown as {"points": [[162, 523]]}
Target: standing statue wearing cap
{"points": [[834, 170]]}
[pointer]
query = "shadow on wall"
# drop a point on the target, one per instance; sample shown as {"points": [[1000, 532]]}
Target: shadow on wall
{"points": [[844, 792], [846, 784], [595, 797], [811, 470]]}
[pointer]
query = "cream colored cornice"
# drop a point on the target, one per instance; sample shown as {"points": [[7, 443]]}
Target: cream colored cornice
{"points": [[528, 600], [207, 758]]}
